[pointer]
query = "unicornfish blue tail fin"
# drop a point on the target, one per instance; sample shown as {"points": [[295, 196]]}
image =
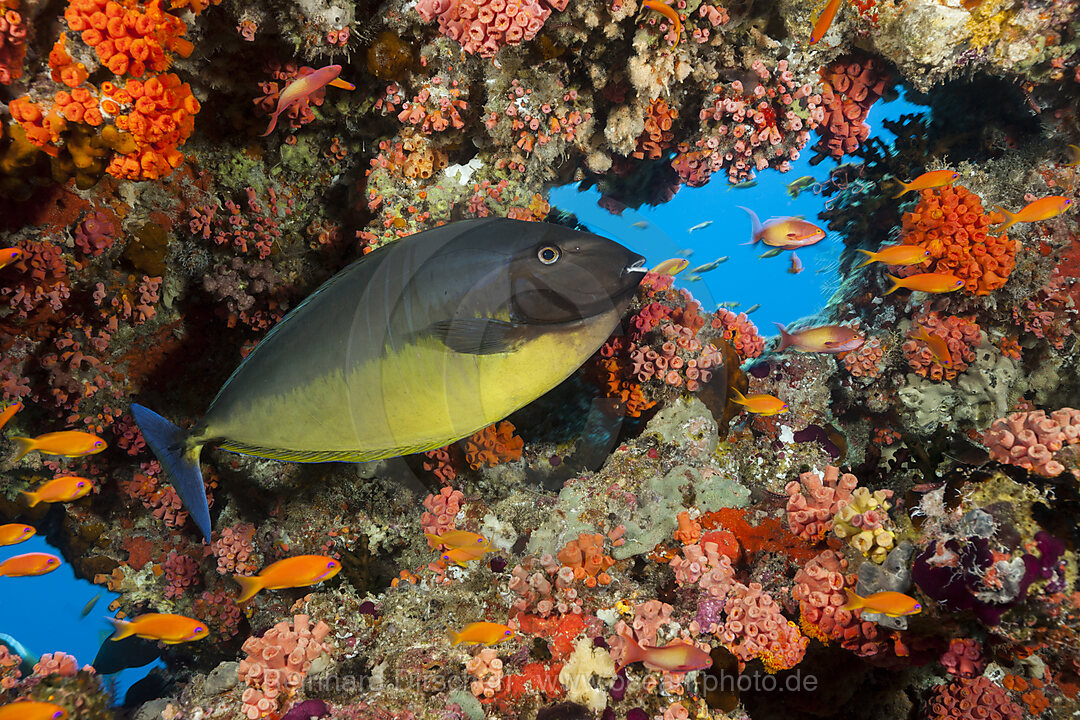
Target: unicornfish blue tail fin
{"points": [[180, 460]]}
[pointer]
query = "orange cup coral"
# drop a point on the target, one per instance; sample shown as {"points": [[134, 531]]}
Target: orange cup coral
{"points": [[951, 224]]}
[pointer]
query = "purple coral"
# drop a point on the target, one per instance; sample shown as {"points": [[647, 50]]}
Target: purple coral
{"points": [[308, 709], [181, 572], [95, 234], [964, 658], [965, 576]]}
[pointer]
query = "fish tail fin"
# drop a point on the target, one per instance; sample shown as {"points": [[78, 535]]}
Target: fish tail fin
{"points": [[1012, 219], [754, 222], [455, 638], [786, 340], [870, 257], [31, 498], [123, 628], [739, 397], [249, 586], [181, 462], [273, 124], [854, 602], [903, 192], [896, 284], [632, 653], [433, 540], [26, 445]]}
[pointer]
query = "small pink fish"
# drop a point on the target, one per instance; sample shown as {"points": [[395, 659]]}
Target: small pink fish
{"points": [[796, 265], [678, 657], [302, 87], [824, 339], [786, 233]]}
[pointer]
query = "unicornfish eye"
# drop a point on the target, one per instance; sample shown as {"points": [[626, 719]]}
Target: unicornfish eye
{"points": [[548, 254]]}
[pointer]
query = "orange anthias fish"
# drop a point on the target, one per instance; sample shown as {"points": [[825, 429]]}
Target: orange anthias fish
{"points": [[824, 21], [1036, 210], [672, 267], [69, 443], [1074, 156], [302, 87], [29, 564], [169, 629], [32, 710], [937, 345], [678, 657], [786, 233], [823, 339], [926, 282], [896, 255], [9, 255], [15, 533], [668, 12], [463, 556], [928, 180], [760, 404], [458, 539], [299, 571], [462, 546], [483, 633], [893, 604], [9, 412], [62, 489]]}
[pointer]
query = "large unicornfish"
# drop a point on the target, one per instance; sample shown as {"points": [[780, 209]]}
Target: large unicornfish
{"points": [[414, 346]]}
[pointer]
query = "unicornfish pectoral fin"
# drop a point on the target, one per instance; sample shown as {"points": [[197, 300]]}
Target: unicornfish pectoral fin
{"points": [[180, 461], [476, 336]]}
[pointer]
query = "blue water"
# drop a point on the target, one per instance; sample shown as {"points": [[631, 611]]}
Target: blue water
{"points": [[44, 613], [745, 277]]}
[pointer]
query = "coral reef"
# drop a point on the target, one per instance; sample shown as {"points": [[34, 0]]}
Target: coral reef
{"points": [[152, 238]]}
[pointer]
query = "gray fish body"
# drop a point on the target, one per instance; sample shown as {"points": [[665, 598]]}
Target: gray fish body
{"points": [[416, 345]]}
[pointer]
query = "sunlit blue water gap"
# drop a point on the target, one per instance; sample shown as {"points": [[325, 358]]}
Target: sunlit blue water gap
{"points": [[745, 279], [44, 613]]}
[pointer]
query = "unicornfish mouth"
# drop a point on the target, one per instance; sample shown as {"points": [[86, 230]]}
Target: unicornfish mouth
{"points": [[637, 266]]}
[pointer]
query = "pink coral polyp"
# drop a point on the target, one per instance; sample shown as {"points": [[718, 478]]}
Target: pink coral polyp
{"points": [[483, 27]]}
